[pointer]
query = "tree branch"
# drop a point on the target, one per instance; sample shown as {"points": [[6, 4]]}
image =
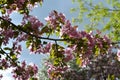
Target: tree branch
{"points": [[21, 29], [56, 46], [45, 38], [9, 57], [117, 42]]}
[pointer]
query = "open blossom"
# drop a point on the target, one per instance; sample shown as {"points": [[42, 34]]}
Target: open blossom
{"points": [[8, 34], [66, 29], [69, 30], [1, 76], [35, 23], [118, 54], [6, 17], [68, 54], [47, 48], [16, 47], [19, 3], [4, 63], [54, 19], [22, 37]]}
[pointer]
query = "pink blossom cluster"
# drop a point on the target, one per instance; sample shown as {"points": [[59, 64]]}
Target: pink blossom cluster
{"points": [[16, 48], [24, 72], [35, 24], [69, 30], [6, 17], [55, 19], [68, 53], [4, 64], [85, 40], [8, 34], [1, 76], [40, 49], [19, 5], [22, 37]]}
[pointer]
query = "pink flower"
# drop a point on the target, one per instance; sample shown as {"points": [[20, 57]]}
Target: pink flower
{"points": [[22, 1], [84, 63], [1, 76], [22, 37], [35, 23], [68, 54], [47, 18], [106, 39], [4, 63], [118, 53], [55, 19], [83, 33], [6, 17], [8, 33], [47, 48], [9, 11], [23, 64], [68, 51], [34, 68]]}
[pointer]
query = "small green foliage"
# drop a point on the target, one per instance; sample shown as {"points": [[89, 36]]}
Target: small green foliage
{"points": [[28, 42], [111, 77], [97, 51], [7, 48], [79, 61]]}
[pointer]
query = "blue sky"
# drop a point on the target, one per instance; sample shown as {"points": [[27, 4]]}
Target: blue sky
{"points": [[41, 12]]}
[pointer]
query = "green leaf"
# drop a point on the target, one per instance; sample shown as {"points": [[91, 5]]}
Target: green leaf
{"points": [[79, 61], [2, 2], [14, 57], [41, 3], [52, 54], [28, 42], [7, 48], [97, 51], [3, 11]]}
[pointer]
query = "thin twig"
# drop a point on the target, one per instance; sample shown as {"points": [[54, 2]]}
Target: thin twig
{"points": [[45, 38], [116, 42], [21, 29], [9, 57], [56, 46]]}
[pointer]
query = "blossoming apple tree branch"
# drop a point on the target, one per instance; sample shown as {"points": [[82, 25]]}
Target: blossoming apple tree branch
{"points": [[79, 45], [45, 38]]}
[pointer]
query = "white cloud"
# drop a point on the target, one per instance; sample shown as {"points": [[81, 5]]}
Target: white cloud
{"points": [[6, 74]]}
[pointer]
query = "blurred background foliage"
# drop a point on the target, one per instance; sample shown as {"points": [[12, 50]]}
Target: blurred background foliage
{"points": [[103, 15]]}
